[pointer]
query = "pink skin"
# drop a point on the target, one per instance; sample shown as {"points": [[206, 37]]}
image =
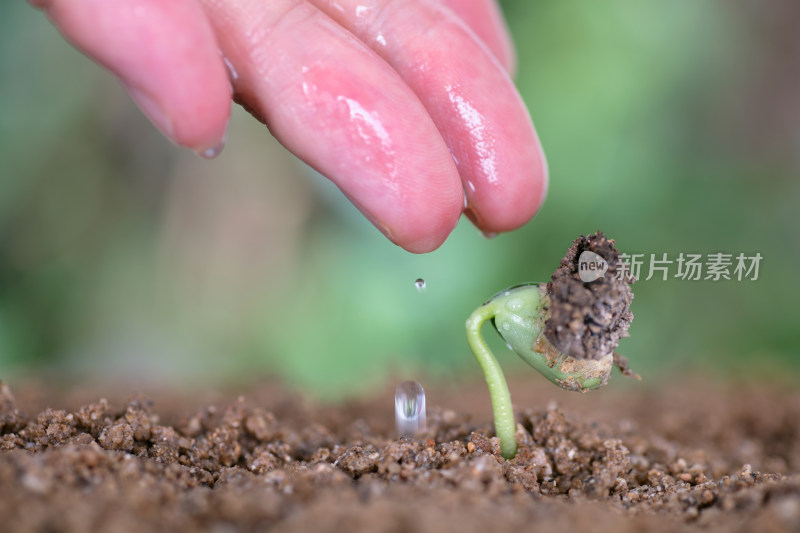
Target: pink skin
{"points": [[469, 96], [164, 53], [485, 19], [380, 121]]}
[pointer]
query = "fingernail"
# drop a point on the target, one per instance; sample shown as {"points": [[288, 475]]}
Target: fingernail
{"points": [[153, 110], [470, 214], [383, 228]]}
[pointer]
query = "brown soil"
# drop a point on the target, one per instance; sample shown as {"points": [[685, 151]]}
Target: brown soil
{"points": [[695, 457], [587, 320]]}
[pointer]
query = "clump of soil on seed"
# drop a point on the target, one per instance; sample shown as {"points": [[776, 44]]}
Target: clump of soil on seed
{"points": [[694, 458], [587, 320]]}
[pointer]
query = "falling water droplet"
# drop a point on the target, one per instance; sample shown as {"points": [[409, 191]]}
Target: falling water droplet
{"points": [[409, 408], [420, 285]]}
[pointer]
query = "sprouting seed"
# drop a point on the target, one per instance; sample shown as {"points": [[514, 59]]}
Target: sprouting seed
{"points": [[521, 315]]}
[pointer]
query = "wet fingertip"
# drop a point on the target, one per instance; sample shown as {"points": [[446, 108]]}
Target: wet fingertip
{"points": [[214, 150], [422, 239], [406, 236], [422, 246], [204, 134]]}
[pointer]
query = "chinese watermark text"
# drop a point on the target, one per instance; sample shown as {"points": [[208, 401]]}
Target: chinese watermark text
{"points": [[690, 267]]}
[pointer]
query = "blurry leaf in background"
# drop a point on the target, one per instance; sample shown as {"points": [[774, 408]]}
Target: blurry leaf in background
{"points": [[671, 126]]}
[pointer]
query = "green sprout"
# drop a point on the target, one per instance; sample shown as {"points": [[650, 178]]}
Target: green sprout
{"points": [[520, 315]]}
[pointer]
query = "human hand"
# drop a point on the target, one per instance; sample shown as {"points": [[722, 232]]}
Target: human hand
{"points": [[406, 105]]}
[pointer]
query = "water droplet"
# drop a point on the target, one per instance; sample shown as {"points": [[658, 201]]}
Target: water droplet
{"points": [[211, 153], [420, 285], [515, 304], [232, 74], [409, 408], [506, 326]]}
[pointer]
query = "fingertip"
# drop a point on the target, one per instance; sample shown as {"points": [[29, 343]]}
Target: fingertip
{"points": [[420, 244], [514, 202], [189, 101], [423, 238], [202, 129], [165, 54], [203, 126], [419, 222]]}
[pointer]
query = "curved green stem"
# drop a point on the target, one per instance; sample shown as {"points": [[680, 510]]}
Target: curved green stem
{"points": [[504, 424]]}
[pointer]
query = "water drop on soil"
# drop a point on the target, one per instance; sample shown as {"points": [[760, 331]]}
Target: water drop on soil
{"points": [[409, 408]]}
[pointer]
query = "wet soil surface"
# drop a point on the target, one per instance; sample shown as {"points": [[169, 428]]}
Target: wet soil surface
{"points": [[694, 457]]}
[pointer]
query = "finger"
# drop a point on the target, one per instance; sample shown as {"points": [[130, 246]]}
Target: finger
{"points": [[470, 98], [485, 18], [339, 107], [165, 54]]}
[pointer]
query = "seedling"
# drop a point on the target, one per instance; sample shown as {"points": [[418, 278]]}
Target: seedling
{"points": [[566, 329]]}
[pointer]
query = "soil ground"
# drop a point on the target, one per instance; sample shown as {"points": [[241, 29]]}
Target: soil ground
{"points": [[696, 456]]}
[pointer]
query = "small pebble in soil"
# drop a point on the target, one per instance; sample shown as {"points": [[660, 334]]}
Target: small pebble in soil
{"points": [[409, 408]]}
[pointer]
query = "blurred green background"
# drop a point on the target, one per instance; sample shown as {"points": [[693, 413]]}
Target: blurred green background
{"points": [[673, 126]]}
